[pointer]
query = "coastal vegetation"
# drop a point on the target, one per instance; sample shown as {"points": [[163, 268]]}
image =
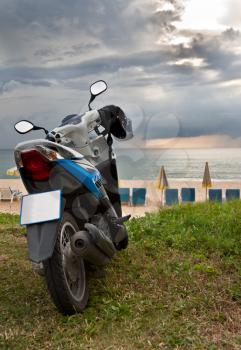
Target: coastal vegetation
{"points": [[177, 286]]}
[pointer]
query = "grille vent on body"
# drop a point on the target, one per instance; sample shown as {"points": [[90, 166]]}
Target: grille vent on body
{"points": [[98, 183]]}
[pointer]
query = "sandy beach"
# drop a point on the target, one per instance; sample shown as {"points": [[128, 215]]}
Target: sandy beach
{"points": [[153, 194]]}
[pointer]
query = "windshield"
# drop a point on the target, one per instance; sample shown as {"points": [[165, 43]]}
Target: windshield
{"points": [[71, 119]]}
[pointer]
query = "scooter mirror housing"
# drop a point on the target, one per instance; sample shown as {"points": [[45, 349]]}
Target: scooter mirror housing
{"points": [[96, 89], [23, 126]]}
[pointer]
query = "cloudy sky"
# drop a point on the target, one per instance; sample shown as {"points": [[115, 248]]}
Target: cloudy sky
{"points": [[174, 66]]}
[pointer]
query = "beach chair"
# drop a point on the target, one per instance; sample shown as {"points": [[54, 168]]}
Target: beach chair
{"points": [[232, 194], [124, 195], [16, 194], [171, 196], [139, 196], [215, 195], [188, 195], [6, 194]]}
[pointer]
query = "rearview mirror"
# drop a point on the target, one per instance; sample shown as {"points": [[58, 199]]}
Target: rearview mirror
{"points": [[23, 126], [98, 87]]}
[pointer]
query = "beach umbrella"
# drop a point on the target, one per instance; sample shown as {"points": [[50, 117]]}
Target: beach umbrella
{"points": [[207, 182], [13, 172], [162, 182]]}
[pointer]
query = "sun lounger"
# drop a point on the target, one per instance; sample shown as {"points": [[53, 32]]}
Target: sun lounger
{"points": [[124, 195], [188, 195], [6, 194], [171, 196], [215, 195], [16, 193], [232, 194], [139, 196]]}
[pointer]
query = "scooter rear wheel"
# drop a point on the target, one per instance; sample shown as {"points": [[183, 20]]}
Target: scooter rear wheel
{"points": [[65, 274]]}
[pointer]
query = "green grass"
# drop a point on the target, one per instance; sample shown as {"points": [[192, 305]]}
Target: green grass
{"points": [[177, 286]]}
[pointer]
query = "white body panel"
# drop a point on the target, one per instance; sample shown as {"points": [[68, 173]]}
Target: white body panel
{"points": [[79, 133], [77, 137]]}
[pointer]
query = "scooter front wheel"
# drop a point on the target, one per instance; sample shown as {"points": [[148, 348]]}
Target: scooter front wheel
{"points": [[65, 273]]}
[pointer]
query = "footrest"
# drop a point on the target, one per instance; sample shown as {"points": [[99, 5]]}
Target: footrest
{"points": [[120, 221]]}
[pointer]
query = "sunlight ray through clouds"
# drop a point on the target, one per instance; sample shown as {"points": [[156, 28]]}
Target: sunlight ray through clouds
{"points": [[203, 14]]}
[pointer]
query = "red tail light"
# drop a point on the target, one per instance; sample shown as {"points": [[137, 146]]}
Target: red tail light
{"points": [[36, 166]]}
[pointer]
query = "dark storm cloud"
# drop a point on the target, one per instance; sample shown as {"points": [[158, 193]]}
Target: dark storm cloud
{"points": [[11, 85], [126, 26], [231, 34], [99, 65], [78, 49], [217, 52], [116, 24], [49, 50], [154, 62]]}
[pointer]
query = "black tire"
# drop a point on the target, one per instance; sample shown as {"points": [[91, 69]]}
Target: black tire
{"points": [[69, 295]]}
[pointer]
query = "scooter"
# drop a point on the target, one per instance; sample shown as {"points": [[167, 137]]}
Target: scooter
{"points": [[73, 210]]}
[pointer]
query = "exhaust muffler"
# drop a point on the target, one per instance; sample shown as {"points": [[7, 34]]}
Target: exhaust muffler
{"points": [[93, 245]]}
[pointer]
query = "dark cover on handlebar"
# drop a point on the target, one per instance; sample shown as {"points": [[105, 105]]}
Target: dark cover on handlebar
{"points": [[71, 119], [114, 120]]}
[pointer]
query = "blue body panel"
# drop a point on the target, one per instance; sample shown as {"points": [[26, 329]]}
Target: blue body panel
{"points": [[87, 178]]}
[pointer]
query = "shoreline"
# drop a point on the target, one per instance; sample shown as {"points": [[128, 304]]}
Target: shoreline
{"points": [[170, 179], [153, 202]]}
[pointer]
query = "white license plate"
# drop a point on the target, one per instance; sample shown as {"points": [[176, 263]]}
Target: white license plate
{"points": [[40, 207]]}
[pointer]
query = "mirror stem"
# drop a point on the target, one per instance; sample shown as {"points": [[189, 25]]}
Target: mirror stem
{"points": [[92, 97], [40, 128]]}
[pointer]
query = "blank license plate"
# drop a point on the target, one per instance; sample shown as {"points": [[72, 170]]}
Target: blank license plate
{"points": [[40, 207]]}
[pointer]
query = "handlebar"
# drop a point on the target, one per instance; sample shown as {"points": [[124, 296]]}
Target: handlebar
{"points": [[76, 128]]}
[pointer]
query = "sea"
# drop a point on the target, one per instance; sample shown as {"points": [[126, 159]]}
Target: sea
{"points": [[145, 164]]}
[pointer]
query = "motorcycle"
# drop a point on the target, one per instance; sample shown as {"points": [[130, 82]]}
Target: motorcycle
{"points": [[73, 210]]}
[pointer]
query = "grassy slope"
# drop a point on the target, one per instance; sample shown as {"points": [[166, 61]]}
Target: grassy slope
{"points": [[176, 287]]}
